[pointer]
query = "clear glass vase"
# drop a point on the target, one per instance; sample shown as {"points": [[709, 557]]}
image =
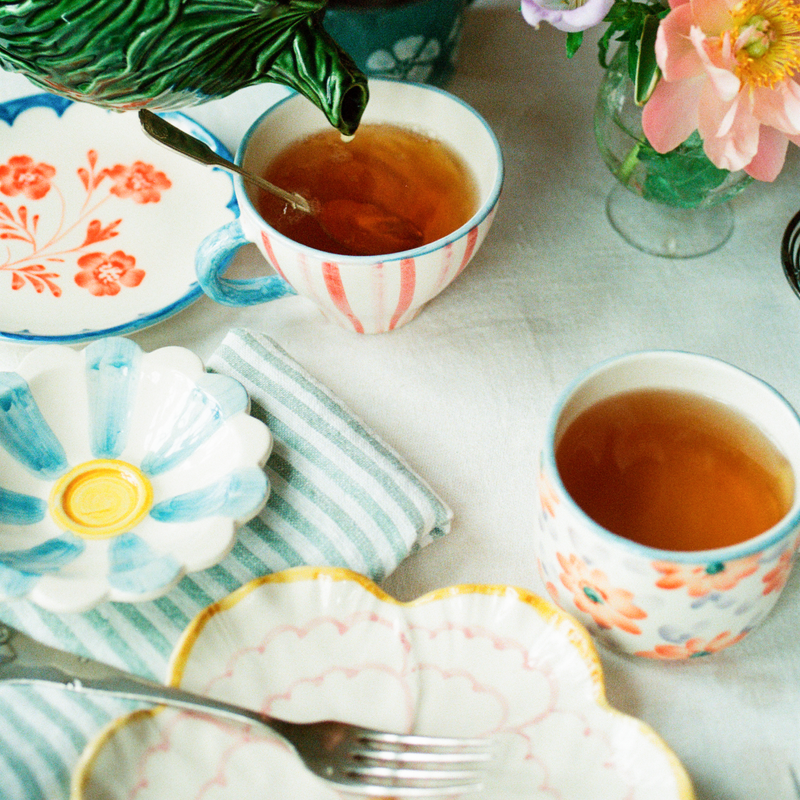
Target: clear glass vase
{"points": [[673, 204]]}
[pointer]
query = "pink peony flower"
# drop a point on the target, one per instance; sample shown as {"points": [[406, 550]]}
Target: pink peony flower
{"points": [[566, 15], [730, 70]]}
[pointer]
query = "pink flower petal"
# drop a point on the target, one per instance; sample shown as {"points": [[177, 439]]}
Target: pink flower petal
{"points": [[726, 84], [768, 161], [712, 16], [779, 107], [675, 52], [670, 115], [729, 131]]}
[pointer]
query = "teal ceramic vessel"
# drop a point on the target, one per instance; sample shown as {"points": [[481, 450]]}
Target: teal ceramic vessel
{"points": [[411, 41]]}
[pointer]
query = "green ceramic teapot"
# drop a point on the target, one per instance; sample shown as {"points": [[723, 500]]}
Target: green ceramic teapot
{"points": [[162, 54]]}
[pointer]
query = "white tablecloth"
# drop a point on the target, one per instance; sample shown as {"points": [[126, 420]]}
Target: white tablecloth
{"points": [[464, 391]]}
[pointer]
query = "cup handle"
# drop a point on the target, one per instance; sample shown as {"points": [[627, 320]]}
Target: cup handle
{"points": [[212, 259]]}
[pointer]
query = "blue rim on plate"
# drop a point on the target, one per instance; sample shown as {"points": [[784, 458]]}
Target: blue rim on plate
{"points": [[137, 311]]}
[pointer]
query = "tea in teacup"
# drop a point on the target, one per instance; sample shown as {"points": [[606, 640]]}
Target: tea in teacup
{"points": [[383, 172], [674, 470]]}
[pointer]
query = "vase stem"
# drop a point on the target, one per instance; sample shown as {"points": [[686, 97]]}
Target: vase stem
{"points": [[627, 167]]}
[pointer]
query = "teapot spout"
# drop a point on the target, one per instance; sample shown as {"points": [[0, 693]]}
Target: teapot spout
{"points": [[316, 67]]}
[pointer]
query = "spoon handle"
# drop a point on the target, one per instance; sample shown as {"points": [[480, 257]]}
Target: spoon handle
{"points": [[167, 134]]}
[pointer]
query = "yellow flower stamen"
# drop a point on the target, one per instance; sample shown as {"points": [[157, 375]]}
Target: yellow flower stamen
{"points": [[766, 41]]}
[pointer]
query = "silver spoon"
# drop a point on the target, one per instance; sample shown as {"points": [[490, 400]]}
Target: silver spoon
{"points": [[167, 134], [344, 220]]}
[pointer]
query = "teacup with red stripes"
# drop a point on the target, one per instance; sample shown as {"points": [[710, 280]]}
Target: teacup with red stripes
{"points": [[367, 294]]}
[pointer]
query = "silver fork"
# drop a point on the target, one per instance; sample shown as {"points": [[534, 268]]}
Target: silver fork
{"points": [[353, 759]]}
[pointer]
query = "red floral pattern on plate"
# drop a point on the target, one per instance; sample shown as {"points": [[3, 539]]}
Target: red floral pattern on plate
{"points": [[699, 580], [103, 275], [592, 593], [22, 175], [141, 182]]}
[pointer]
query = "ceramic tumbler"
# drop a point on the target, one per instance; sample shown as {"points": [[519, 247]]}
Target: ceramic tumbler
{"points": [[661, 603]]}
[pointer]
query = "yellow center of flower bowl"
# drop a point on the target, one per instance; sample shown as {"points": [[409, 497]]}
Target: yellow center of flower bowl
{"points": [[101, 498]]}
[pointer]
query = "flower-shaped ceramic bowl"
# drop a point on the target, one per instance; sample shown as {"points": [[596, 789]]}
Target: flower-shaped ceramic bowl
{"points": [[120, 471], [311, 643]]}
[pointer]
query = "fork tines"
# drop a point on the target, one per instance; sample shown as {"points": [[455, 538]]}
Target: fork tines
{"points": [[412, 742], [421, 764]]}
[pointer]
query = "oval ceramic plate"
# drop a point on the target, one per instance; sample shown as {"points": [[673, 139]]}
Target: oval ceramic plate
{"points": [[99, 225], [316, 643]]}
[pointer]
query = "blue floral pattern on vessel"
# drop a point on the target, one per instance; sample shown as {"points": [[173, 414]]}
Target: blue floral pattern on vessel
{"points": [[135, 568], [228, 497], [184, 428], [20, 509]]}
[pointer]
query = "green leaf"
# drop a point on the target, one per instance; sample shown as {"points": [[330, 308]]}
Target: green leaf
{"points": [[682, 177], [633, 58], [574, 41], [626, 21], [602, 48], [647, 70]]}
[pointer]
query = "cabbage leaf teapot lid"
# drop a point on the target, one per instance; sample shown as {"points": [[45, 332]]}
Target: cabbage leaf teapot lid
{"points": [[162, 54]]}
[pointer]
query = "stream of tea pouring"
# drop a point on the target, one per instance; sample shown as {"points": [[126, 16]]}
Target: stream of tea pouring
{"points": [[341, 219]]}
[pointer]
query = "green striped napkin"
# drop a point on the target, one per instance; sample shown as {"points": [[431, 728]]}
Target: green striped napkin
{"points": [[339, 497]]}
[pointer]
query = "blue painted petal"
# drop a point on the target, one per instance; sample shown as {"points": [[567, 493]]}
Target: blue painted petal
{"points": [[24, 434], [48, 556], [206, 407], [238, 495], [136, 569], [20, 509], [15, 584], [229, 393], [112, 372]]}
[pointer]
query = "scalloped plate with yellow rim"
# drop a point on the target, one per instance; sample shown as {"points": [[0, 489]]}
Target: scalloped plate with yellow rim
{"points": [[314, 643]]}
